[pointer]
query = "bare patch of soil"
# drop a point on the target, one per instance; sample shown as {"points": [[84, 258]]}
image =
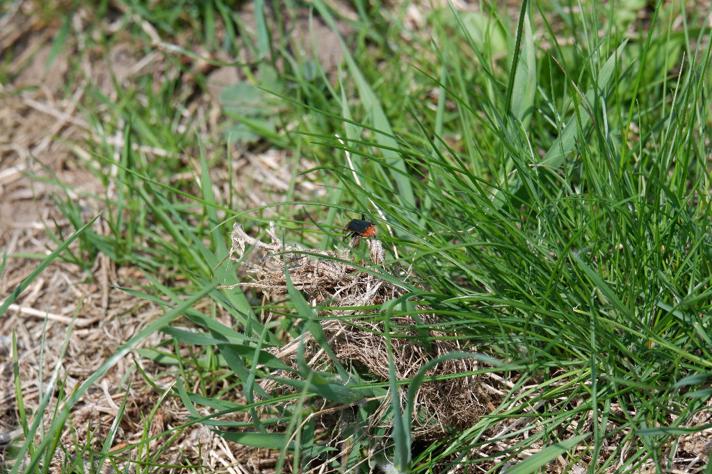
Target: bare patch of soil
{"points": [[45, 158]]}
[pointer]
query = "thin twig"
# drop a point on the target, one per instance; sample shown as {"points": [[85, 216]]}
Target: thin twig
{"points": [[51, 316]]}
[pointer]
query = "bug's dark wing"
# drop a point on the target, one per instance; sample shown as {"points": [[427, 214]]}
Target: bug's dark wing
{"points": [[358, 226]]}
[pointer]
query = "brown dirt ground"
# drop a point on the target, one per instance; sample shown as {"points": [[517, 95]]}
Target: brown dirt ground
{"points": [[43, 140]]}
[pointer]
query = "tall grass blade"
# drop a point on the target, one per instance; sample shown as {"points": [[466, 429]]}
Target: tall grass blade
{"points": [[566, 142], [546, 455], [42, 266], [524, 83], [384, 134], [60, 418]]}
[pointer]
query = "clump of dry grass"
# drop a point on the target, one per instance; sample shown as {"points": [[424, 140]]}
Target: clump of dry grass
{"points": [[327, 277]]}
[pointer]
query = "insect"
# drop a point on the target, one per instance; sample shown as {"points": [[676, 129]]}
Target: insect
{"points": [[358, 228]]}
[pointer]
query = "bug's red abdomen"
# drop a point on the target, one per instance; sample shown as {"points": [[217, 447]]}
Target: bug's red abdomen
{"points": [[361, 228], [369, 232]]}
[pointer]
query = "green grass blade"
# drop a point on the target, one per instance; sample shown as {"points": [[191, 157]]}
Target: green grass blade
{"points": [[28, 445], [607, 291], [42, 266], [420, 376], [256, 439], [61, 417], [312, 324], [523, 78], [263, 37], [566, 142], [546, 455], [384, 135], [401, 437]]}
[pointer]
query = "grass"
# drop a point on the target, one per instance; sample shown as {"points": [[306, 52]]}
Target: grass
{"points": [[547, 181]]}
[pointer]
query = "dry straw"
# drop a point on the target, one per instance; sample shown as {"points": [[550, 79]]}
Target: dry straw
{"points": [[356, 335]]}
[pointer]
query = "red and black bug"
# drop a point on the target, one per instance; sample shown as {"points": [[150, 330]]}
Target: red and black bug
{"points": [[358, 228]]}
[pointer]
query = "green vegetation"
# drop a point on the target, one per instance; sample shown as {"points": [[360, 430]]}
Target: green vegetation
{"points": [[546, 177]]}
